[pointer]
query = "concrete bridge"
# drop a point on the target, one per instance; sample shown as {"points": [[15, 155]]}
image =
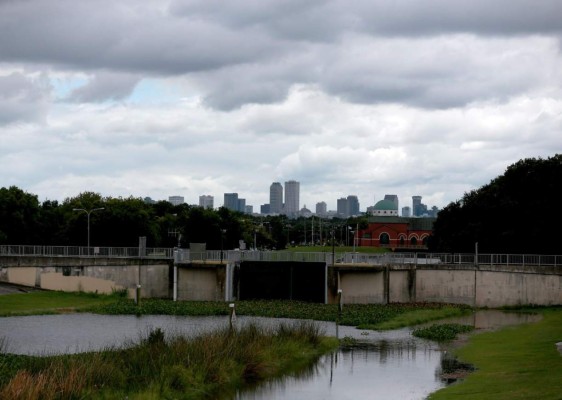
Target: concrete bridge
{"points": [[483, 280]]}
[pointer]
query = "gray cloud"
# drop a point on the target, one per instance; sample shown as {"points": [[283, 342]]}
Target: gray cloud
{"points": [[22, 99], [105, 86]]}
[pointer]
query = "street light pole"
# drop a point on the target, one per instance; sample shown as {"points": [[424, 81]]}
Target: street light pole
{"points": [[88, 212]]}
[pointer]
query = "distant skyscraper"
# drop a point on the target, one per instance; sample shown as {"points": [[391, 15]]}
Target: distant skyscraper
{"points": [[176, 200], [242, 205], [292, 198], [249, 210], [265, 209], [352, 205], [206, 201], [406, 212], [417, 206], [275, 198], [393, 198], [231, 201], [343, 207], [321, 208]]}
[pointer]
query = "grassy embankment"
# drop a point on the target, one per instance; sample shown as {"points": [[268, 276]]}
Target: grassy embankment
{"points": [[515, 363], [46, 302], [179, 368]]}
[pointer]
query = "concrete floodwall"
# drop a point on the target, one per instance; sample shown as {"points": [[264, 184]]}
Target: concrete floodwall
{"points": [[201, 283], [445, 286], [497, 289], [101, 278], [362, 287]]}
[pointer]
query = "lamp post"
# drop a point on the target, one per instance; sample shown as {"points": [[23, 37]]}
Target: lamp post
{"points": [[88, 212], [223, 231]]}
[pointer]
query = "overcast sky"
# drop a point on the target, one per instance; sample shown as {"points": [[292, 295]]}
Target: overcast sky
{"points": [[349, 97]]}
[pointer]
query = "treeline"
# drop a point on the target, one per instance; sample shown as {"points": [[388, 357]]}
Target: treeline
{"points": [[25, 220], [517, 212]]}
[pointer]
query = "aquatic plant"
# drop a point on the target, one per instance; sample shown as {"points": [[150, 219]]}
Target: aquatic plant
{"points": [[441, 332]]}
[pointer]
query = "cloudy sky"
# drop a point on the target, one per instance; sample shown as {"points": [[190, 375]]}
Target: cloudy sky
{"points": [[364, 97]]}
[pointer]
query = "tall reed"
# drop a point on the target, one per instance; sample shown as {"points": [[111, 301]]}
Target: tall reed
{"points": [[175, 367]]}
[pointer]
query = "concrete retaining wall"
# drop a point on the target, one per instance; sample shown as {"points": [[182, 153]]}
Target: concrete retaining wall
{"points": [[101, 278]]}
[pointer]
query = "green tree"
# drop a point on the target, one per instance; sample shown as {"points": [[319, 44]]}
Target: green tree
{"points": [[19, 217], [517, 212]]}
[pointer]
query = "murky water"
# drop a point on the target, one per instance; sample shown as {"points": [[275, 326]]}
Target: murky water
{"points": [[389, 365]]}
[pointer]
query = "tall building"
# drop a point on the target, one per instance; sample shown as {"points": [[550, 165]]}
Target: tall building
{"points": [[352, 205], [176, 200], [231, 201], [406, 212], [249, 210], [393, 198], [275, 198], [321, 208], [343, 207], [265, 209], [292, 198], [241, 205], [206, 201], [416, 206]]}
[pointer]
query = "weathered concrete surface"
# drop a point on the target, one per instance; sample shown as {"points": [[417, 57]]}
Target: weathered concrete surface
{"points": [[362, 286], [445, 286], [497, 289], [88, 274], [201, 282]]}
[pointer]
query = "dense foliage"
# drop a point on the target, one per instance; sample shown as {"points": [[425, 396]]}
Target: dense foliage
{"points": [[517, 212], [121, 221]]}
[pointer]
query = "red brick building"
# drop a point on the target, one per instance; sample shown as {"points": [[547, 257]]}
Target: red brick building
{"points": [[396, 232]]}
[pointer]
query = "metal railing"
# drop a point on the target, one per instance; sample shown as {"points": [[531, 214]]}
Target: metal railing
{"points": [[78, 251], [185, 255]]}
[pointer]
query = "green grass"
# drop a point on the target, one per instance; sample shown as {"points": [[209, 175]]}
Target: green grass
{"points": [[365, 316], [202, 367], [515, 363], [46, 302], [418, 316]]}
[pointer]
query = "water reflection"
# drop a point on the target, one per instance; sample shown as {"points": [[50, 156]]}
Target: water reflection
{"points": [[384, 370]]}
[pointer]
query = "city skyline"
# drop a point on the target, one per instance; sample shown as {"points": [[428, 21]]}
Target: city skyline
{"points": [[364, 98]]}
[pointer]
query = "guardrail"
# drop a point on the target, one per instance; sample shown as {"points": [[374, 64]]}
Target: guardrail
{"points": [[185, 255], [77, 251]]}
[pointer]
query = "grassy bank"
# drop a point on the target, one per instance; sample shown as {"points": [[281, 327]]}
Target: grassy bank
{"points": [[515, 363], [365, 316], [47, 302], [204, 367]]}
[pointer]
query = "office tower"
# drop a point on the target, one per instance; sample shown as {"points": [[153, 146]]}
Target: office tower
{"points": [[352, 205], [343, 207], [276, 198], [265, 209], [206, 201], [176, 200], [321, 208], [242, 205], [393, 198], [249, 210], [292, 200], [416, 206], [406, 212], [231, 201]]}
